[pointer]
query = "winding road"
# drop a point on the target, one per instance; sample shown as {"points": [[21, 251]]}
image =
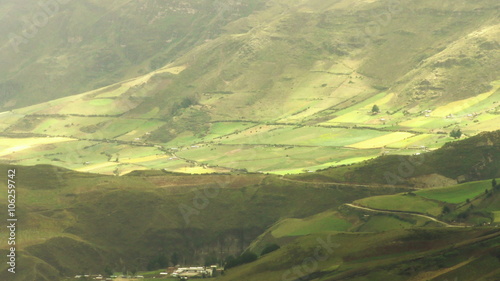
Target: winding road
{"points": [[403, 212]]}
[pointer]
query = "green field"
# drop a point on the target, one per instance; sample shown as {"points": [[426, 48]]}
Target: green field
{"points": [[402, 202], [497, 216], [287, 159], [456, 194], [328, 221], [307, 136], [378, 223]]}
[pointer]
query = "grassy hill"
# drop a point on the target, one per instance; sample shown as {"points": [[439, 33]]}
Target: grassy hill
{"points": [[193, 131], [423, 254], [472, 159], [56, 49], [287, 86], [71, 222]]}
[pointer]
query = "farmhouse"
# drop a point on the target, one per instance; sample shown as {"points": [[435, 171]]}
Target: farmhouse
{"points": [[194, 272]]}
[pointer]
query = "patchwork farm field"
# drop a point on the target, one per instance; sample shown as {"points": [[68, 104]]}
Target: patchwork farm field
{"points": [[11, 147], [274, 159], [108, 130], [306, 136]]}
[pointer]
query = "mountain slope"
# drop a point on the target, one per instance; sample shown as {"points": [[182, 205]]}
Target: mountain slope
{"points": [[54, 49], [127, 222], [279, 81], [472, 159]]}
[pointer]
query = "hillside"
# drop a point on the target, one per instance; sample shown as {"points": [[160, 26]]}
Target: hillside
{"points": [[287, 86], [54, 49], [131, 220], [476, 158], [427, 254], [324, 139], [72, 222]]}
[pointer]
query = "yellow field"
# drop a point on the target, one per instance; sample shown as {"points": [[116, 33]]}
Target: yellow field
{"points": [[12, 145], [410, 141], [97, 166], [492, 124], [497, 216], [173, 70], [144, 159], [362, 114], [195, 170], [382, 141], [461, 105]]}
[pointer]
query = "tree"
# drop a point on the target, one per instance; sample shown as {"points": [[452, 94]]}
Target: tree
{"points": [[456, 133], [229, 262], [246, 257], [175, 258], [494, 183], [211, 260], [108, 271], [446, 209], [162, 260], [375, 109], [269, 248]]}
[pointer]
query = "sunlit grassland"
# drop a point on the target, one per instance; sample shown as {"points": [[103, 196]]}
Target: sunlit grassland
{"points": [[220, 129], [491, 124], [346, 161], [456, 194], [469, 105], [382, 141], [402, 202], [414, 141], [377, 223], [361, 112], [10, 146], [141, 130], [497, 216], [423, 123], [186, 138], [90, 155], [327, 221], [307, 136], [7, 119], [274, 159], [101, 102]]}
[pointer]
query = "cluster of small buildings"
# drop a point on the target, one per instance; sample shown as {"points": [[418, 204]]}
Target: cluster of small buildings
{"points": [[191, 272], [183, 273]]}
